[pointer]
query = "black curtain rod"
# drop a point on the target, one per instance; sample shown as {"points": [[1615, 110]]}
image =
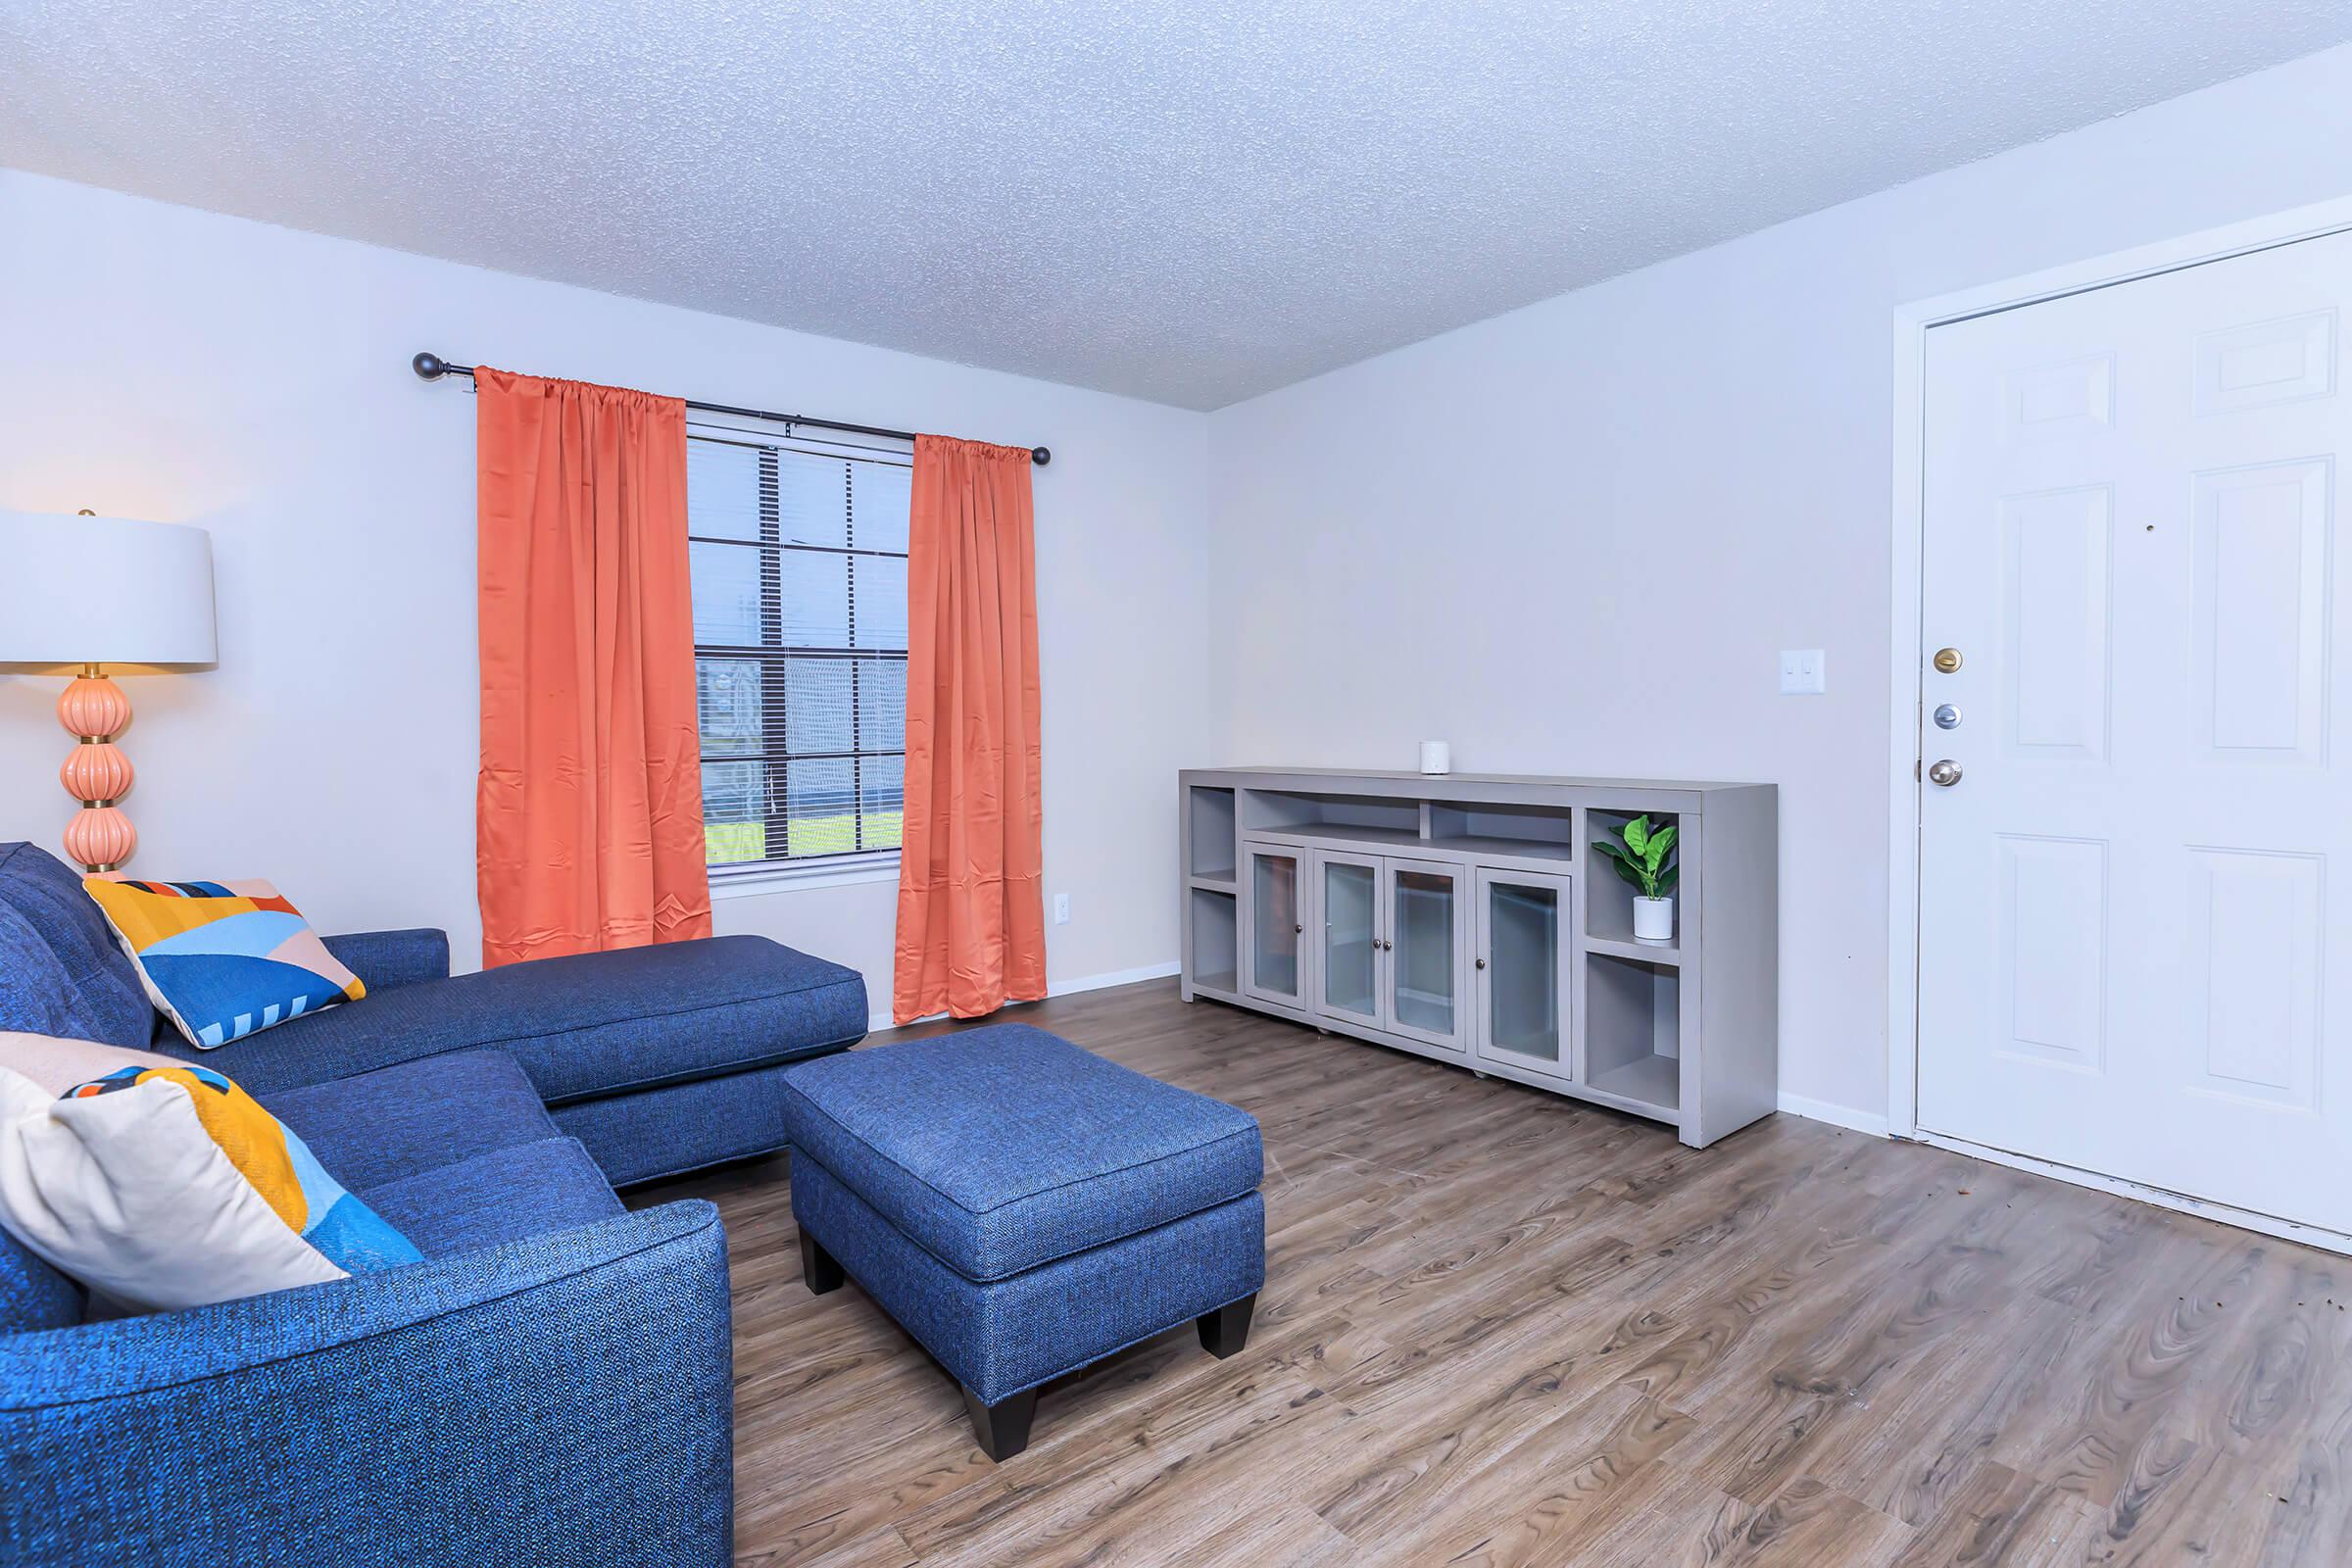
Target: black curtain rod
{"points": [[432, 368]]}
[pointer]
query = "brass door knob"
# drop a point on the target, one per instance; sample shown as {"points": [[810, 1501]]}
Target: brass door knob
{"points": [[1947, 660], [1945, 773]]}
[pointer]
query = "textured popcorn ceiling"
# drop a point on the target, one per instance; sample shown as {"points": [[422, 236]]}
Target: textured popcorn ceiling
{"points": [[1188, 202]]}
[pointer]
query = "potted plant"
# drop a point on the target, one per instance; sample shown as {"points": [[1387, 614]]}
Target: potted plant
{"points": [[1645, 858]]}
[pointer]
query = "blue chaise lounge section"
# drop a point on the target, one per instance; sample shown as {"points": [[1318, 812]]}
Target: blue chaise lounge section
{"points": [[659, 1060]]}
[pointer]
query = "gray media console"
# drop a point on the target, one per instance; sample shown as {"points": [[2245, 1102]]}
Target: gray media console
{"points": [[1463, 917]]}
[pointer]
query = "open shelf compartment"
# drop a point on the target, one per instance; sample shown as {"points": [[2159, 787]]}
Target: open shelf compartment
{"points": [[1286, 812], [1210, 825], [1610, 896], [1525, 832], [1216, 940], [1633, 1031]]}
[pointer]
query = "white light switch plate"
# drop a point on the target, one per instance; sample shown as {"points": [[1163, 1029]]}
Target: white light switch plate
{"points": [[1062, 909], [1804, 672]]}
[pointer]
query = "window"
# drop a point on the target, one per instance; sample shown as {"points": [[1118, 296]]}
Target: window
{"points": [[800, 629]]}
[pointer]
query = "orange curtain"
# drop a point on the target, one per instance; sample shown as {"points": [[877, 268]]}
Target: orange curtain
{"points": [[972, 912], [588, 808]]}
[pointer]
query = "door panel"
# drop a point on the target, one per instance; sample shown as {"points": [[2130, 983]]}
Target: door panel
{"points": [[2052, 952], [2126, 946], [1422, 947], [1275, 952], [1525, 952], [2254, 975], [2055, 575], [1348, 965], [2262, 612]]}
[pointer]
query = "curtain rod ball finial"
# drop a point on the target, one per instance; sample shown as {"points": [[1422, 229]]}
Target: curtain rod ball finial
{"points": [[428, 366], [1039, 456]]}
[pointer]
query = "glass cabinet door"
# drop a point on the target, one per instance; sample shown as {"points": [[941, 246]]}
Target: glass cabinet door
{"points": [[1277, 923], [1522, 966], [1348, 890], [1423, 946]]}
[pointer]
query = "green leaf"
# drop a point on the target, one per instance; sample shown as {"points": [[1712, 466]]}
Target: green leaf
{"points": [[1667, 879], [1661, 843], [1617, 858], [1637, 834]]}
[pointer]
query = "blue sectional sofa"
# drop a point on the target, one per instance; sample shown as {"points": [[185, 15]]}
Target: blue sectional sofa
{"points": [[552, 1383]]}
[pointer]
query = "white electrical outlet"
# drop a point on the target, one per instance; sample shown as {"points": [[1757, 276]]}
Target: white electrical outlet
{"points": [[1805, 671], [1062, 909]]}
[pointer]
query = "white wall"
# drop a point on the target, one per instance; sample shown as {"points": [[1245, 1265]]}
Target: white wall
{"points": [[177, 366], [1573, 538]]}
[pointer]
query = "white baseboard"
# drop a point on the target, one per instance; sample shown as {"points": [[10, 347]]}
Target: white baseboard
{"points": [[1117, 977], [1861, 1121], [1064, 988]]}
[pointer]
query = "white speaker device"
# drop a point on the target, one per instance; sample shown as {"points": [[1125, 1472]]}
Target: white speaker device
{"points": [[1436, 758]]}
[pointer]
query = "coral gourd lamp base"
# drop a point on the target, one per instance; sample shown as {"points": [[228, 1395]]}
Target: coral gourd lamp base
{"points": [[95, 710], [89, 594]]}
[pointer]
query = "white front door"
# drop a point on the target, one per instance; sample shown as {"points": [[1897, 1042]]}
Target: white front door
{"points": [[2130, 957]]}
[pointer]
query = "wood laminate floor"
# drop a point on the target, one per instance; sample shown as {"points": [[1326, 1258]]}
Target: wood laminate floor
{"points": [[1502, 1328]]}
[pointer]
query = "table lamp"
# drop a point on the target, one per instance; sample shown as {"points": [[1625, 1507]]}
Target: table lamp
{"points": [[95, 597]]}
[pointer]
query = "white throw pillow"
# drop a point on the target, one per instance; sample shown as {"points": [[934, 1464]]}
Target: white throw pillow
{"points": [[132, 1188], [57, 1063]]}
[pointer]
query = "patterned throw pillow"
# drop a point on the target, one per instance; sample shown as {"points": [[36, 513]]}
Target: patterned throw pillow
{"points": [[222, 960], [171, 1186]]}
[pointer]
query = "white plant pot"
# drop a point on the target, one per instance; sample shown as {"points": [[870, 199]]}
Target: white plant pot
{"points": [[1653, 919]]}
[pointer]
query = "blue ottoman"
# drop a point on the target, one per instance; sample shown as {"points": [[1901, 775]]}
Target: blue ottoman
{"points": [[1023, 1207]]}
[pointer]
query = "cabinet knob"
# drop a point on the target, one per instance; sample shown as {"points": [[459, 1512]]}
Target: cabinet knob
{"points": [[1482, 964], [1299, 930]]}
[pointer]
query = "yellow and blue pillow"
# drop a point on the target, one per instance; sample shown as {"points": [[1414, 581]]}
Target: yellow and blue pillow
{"points": [[171, 1186], [278, 1165], [222, 960]]}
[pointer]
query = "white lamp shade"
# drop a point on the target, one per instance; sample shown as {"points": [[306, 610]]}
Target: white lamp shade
{"points": [[131, 596]]}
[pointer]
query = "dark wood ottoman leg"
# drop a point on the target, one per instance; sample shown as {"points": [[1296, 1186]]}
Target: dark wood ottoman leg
{"points": [[1003, 1428], [818, 1267], [1225, 1331]]}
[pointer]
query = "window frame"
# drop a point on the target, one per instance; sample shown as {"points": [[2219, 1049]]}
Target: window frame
{"points": [[737, 879]]}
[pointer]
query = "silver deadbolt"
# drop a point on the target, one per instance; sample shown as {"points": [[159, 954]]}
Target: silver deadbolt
{"points": [[1948, 716], [1945, 773]]}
